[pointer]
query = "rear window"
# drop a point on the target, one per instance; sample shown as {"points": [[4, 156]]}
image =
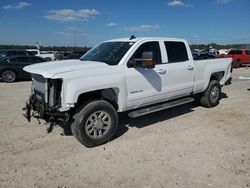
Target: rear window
{"points": [[235, 52], [177, 51], [248, 52]]}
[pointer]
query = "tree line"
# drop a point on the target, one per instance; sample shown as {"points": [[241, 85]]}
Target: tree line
{"points": [[219, 46], [45, 48]]}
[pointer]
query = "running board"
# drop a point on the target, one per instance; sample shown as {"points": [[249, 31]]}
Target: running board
{"points": [[158, 107]]}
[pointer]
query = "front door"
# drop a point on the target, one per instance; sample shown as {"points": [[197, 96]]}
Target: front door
{"points": [[145, 86]]}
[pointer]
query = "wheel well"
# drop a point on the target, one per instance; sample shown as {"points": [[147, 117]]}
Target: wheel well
{"points": [[217, 76], [110, 95], [47, 59]]}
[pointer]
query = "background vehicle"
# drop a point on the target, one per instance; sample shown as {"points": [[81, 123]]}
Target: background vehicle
{"points": [[47, 55], [204, 54], [240, 57], [9, 53], [11, 68], [139, 75], [69, 55]]}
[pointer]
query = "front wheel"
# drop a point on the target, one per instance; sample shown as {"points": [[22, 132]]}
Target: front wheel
{"points": [[8, 76], [94, 123], [211, 96]]}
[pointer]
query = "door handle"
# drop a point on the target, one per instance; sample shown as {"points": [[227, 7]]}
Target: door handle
{"points": [[190, 68], [162, 71]]}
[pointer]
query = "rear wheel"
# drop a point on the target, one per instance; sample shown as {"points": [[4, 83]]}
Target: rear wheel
{"points": [[8, 76], [94, 123], [236, 64], [211, 96]]}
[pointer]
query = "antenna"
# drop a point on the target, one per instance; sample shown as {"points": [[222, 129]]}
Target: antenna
{"points": [[132, 37]]}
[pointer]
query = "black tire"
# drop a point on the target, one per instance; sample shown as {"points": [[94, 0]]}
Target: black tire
{"points": [[83, 124], [236, 64], [8, 76], [211, 96]]}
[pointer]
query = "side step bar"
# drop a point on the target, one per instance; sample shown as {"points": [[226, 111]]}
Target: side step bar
{"points": [[158, 107]]}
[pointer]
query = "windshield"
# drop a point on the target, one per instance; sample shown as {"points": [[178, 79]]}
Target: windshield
{"points": [[108, 52]]}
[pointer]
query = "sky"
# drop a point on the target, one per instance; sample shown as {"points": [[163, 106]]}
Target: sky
{"points": [[88, 22]]}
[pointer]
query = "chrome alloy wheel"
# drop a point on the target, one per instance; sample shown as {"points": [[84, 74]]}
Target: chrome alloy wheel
{"points": [[98, 124], [8, 76], [214, 95]]}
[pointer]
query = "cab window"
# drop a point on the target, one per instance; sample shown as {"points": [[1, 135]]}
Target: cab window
{"points": [[149, 47], [177, 51]]}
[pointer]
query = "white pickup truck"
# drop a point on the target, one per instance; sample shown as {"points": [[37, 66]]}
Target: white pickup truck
{"points": [[138, 75], [47, 55]]}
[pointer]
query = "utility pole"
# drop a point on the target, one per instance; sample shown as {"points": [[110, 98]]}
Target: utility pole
{"points": [[75, 36]]}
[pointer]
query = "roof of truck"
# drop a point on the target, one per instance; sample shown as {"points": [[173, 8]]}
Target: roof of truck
{"points": [[144, 38]]}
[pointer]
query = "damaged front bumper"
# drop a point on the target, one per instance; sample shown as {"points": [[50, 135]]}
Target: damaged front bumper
{"points": [[40, 110]]}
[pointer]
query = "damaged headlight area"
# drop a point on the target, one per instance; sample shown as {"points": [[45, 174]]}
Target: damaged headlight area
{"points": [[45, 99]]}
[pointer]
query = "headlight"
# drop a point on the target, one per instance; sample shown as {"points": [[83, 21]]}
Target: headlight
{"points": [[54, 92]]}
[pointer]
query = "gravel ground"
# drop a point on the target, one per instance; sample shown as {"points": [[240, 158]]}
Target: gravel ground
{"points": [[187, 146]]}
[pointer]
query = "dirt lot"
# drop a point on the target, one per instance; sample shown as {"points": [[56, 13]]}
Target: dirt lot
{"points": [[187, 146]]}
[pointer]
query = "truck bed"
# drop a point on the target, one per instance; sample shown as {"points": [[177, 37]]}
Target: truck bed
{"points": [[207, 66]]}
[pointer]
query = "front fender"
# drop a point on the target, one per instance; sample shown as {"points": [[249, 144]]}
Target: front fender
{"points": [[72, 89]]}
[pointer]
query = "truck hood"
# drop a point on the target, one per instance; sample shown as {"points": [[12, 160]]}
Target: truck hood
{"points": [[52, 68]]}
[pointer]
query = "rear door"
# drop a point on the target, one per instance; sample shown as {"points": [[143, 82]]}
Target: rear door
{"points": [[237, 55], [20, 63], [180, 70]]}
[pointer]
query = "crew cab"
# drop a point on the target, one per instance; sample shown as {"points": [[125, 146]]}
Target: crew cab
{"points": [[240, 57], [138, 75]]}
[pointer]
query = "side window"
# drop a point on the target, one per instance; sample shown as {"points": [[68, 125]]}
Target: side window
{"points": [[149, 47], [248, 52], [177, 51]]}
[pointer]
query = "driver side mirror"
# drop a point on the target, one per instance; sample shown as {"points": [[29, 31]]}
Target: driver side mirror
{"points": [[146, 61]]}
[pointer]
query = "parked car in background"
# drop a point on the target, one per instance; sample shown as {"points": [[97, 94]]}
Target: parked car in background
{"points": [[223, 51], [47, 55], [204, 54], [240, 57], [69, 55], [10, 52], [11, 68]]}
